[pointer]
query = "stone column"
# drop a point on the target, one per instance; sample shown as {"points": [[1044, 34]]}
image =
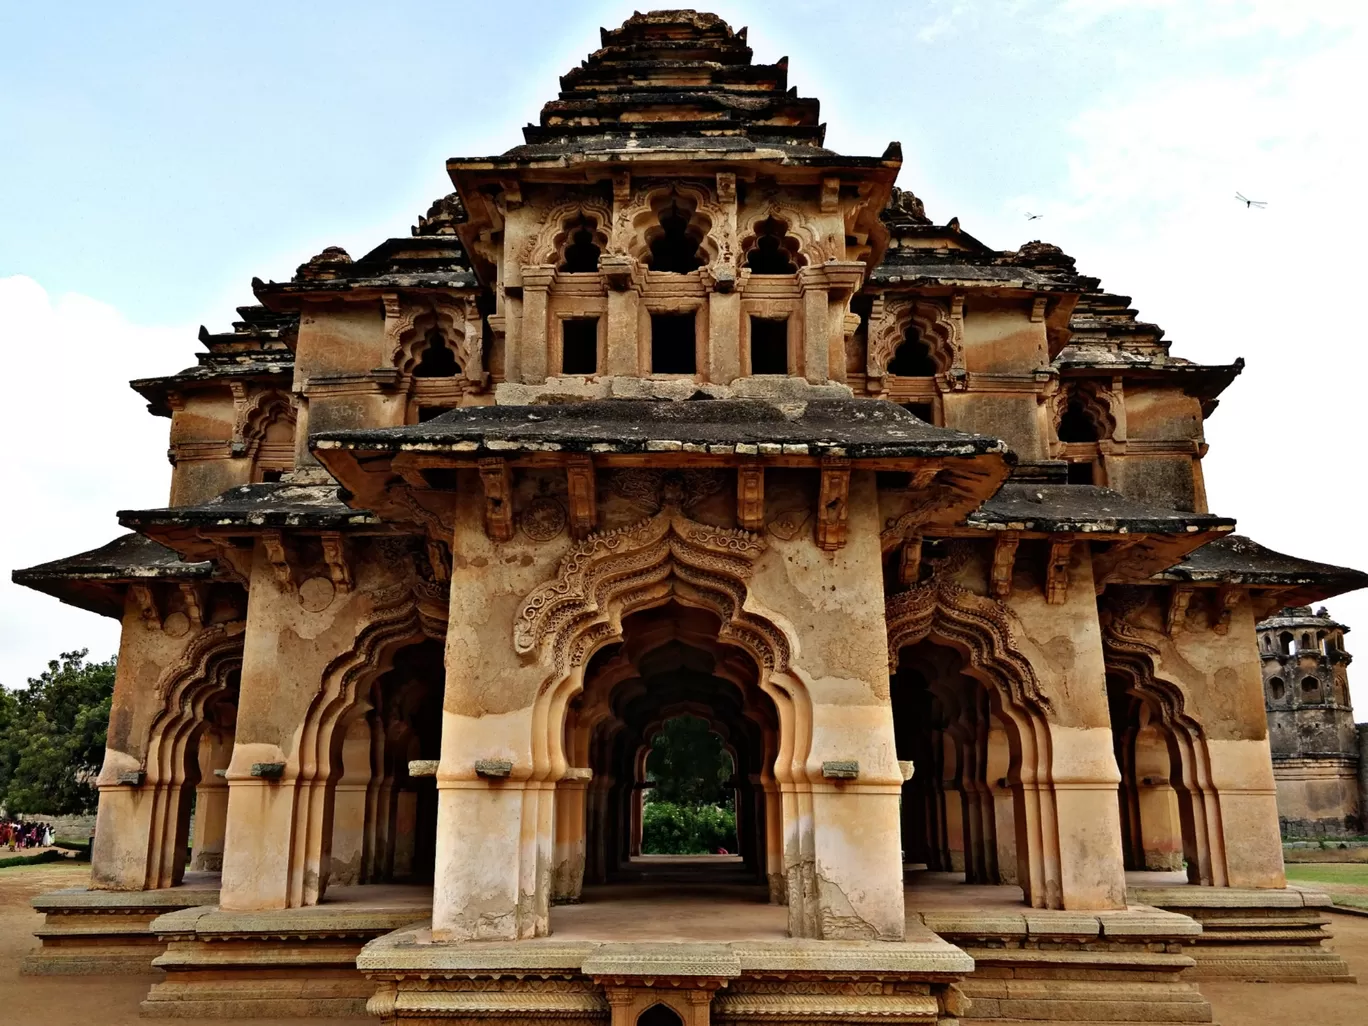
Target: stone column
{"points": [[1069, 822], [724, 337], [1362, 735], [816, 324], [211, 801], [535, 349], [349, 806]]}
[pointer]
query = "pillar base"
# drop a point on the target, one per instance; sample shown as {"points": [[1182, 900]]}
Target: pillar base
{"points": [[605, 982], [294, 962], [105, 932], [1262, 936]]}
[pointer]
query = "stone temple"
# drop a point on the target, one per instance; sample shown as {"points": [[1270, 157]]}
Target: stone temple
{"points": [[670, 409]]}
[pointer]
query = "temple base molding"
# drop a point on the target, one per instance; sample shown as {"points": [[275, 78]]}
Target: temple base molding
{"points": [[88, 932], [1265, 936], [295, 962]]}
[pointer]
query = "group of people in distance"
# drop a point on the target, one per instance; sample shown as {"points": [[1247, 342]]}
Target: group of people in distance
{"points": [[15, 834]]}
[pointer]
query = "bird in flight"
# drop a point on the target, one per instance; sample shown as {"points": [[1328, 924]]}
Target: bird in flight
{"points": [[1033, 217], [1249, 203]]}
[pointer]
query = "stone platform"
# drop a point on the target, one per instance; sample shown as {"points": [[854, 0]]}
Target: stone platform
{"points": [[1265, 936], [1039, 966], [88, 932], [294, 962]]}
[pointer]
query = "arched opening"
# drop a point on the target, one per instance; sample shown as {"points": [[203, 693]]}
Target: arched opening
{"points": [[676, 242], [1310, 687], [667, 709], [213, 752], [437, 359], [1286, 643], [961, 807], [912, 359], [1305, 642], [384, 819], [1076, 425], [274, 448], [581, 254], [660, 1015], [774, 252], [1277, 688]]}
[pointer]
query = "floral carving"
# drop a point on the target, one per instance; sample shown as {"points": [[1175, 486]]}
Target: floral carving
{"points": [[612, 573]]}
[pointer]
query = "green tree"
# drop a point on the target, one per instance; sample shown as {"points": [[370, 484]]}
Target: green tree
{"points": [[688, 764], [52, 737]]}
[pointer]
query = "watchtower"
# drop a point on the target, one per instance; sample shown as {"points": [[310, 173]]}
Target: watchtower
{"points": [[1311, 723]]}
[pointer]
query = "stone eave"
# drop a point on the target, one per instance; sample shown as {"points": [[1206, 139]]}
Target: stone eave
{"points": [[291, 296], [1201, 381], [156, 390], [96, 580], [1288, 580]]}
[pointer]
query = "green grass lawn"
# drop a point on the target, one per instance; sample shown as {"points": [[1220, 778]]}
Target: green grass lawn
{"points": [[1346, 883]]}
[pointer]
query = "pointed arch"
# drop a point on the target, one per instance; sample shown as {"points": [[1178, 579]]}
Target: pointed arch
{"points": [[1095, 402], [891, 320], [560, 225], [185, 690], [256, 415]]}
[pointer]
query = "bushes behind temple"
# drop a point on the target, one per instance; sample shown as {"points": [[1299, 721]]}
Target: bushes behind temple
{"points": [[668, 828]]}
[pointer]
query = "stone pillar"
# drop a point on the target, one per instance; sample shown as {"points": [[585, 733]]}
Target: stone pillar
{"points": [[211, 801], [1161, 830], [567, 874], [537, 281], [621, 333], [1004, 802], [816, 324], [349, 806], [724, 337], [1362, 736]]}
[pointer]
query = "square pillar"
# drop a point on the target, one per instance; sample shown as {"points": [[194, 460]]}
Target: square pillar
{"points": [[535, 350]]}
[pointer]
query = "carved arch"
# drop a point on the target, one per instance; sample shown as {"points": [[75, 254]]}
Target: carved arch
{"points": [[798, 240], [397, 620], [1131, 654], [978, 627], [409, 322], [636, 224], [1099, 404], [185, 690], [893, 316], [255, 415], [561, 222]]}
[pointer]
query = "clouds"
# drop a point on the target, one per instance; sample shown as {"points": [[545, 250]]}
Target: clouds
{"points": [[80, 446]]}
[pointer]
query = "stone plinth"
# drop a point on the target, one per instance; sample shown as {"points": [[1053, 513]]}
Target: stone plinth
{"points": [[1255, 935], [105, 932], [297, 962], [1122, 966], [610, 982]]}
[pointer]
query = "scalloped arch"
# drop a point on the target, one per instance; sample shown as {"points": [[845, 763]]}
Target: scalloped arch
{"points": [[888, 329]]}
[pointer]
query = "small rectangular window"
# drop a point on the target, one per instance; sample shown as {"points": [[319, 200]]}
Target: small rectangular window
{"points": [[922, 411], [579, 345], [1081, 473], [672, 344], [427, 413], [769, 345]]}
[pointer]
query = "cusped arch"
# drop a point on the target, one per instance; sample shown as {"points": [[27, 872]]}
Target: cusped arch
{"points": [[936, 329], [1097, 404], [560, 225], [256, 415], [408, 325], [796, 240], [637, 225]]}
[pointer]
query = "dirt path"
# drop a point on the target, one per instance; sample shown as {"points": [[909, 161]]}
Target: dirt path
{"points": [[1286, 1004], [113, 1000], [76, 1000]]}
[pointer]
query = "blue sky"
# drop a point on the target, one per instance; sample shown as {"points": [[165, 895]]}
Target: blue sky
{"points": [[157, 156]]}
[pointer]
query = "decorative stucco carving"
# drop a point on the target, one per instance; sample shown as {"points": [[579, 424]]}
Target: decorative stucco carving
{"points": [[653, 489], [254, 414], [940, 331], [560, 223], [1100, 404], [981, 628], [612, 573], [409, 321], [636, 222]]}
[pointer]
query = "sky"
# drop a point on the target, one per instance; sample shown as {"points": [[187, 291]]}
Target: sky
{"points": [[157, 156]]}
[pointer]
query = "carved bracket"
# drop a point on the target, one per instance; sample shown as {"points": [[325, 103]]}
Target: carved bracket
{"points": [[335, 555], [1004, 562], [273, 544], [1175, 618], [1057, 572], [750, 496], [498, 489], [583, 494], [146, 600], [833, 503], [1227, 597], [909, 565]]}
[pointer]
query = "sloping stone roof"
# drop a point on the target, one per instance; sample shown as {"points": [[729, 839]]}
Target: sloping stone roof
{"points": [[1085, 509], [92, 580], [275, 504], [856, 428], [1237, 559]]}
